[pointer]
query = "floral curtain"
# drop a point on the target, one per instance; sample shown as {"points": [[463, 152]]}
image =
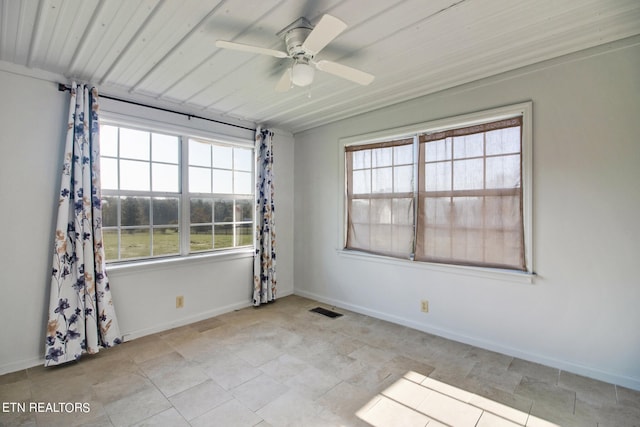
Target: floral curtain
{"points": [[81, 314], [264, 264]]}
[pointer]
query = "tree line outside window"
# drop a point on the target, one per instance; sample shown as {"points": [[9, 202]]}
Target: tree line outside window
{"points": [[143, 204]]}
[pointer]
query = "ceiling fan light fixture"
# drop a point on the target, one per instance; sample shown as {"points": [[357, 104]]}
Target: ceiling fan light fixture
{"points": [[302, 74]]}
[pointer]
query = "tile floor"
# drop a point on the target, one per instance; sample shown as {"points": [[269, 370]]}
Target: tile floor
{"points": [[281, 365]]}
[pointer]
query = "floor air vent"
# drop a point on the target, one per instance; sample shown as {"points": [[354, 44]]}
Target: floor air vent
{"points": [[325, 312]]}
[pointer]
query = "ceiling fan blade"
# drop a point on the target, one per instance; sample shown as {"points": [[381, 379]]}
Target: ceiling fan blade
{"points": [[249, 48], [326, 30], [284, 84], [345, 72]]}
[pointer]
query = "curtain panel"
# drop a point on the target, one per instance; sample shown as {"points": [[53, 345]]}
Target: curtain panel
{"points": [[81, 314], [264, 267]]}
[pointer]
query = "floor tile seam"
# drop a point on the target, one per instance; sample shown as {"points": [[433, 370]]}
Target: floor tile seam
{"points": [[148, 381], [262, 373], [244, 405], [317, 398], [535, 379], [374, 347], [533, 401], [141, 373], [528, 413], [228, 396], [578, 389], [151, 379], [531, 415], [503, 418], [556, 373], [488, 381], [160, 371], [167, 396], [485, 365], [249, 362], [157, 413], [474, 405], [238, 385], [558, 386], [109, 418], [430, 417], [180, 412]]}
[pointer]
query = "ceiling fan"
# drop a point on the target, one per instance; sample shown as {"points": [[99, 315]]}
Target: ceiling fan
{"points": [[303, 43]]}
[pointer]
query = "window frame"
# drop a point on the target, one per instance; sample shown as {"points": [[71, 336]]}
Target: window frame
{"points": [[525, 110], [184, 133], [214, 197], [392, 196]]}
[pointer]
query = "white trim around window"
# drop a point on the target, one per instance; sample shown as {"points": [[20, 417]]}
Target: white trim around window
{"points": [[134, 121], [524, 110]]}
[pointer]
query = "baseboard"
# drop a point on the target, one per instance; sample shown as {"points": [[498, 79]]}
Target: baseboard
{"points": [[139, 333], [131, 335], [21, 364], [586, 371]]}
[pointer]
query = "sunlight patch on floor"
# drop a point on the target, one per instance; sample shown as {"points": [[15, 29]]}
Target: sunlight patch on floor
{"points": [[416, 400]]}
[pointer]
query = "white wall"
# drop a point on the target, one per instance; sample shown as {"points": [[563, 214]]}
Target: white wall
{"points": [[31, 143], [581, 313], [33, 118]]}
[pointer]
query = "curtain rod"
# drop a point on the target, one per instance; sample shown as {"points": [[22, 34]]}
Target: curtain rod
{"points": [[64, 88]]}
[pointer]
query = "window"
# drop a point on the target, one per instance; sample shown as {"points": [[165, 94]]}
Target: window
{"points": [[220, 196], [469, 205], [453, 192], [380, 197], [154, 206]]}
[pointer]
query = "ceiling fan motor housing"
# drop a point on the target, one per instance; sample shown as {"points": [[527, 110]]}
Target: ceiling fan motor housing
{"points": [[294, 36], [294, 40]]}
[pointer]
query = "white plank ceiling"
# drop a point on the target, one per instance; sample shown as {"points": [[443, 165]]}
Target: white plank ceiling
{"points": [[162, 52]]}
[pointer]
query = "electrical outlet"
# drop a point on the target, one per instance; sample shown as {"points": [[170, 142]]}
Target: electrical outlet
{"points": [[179, 301], [424, 306]]}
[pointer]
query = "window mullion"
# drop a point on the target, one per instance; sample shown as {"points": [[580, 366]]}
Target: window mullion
{"points": [[416, 193], [370, 202], [235, 219], [185, 199], [151, 225], [151, 188], [150, 207], [451, 199], [119, 222], [484, 197]]}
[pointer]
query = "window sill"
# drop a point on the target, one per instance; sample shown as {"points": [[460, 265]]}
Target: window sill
{"points": [[122, 267], [479, 272]]}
